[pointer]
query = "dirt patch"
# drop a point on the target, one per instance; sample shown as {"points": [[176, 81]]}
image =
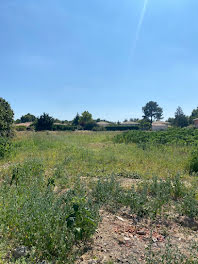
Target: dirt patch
{"points": [[124, 239]]}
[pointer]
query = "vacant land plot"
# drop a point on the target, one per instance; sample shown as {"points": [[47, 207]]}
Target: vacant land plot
{"points": [[96, 197]]}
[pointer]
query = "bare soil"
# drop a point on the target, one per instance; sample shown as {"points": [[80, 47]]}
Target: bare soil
{"points": [[121, 238]]}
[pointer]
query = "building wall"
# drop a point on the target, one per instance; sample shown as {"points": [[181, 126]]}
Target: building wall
{"points": [[196, 123]]}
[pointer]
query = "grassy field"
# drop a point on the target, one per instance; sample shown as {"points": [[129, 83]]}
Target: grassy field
{"points": [[54, 184], [94, 154]]}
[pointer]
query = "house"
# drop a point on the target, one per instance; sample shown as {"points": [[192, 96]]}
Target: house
{"points": [[159, 125], [130, 123], [103, 124], [196, 122]]}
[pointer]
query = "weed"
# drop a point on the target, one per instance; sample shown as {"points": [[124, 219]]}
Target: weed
{"points": [[33, 215], [193, 163]]}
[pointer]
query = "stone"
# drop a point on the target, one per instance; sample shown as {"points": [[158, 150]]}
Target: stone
{"points": [[120, 218], [20, 252]]}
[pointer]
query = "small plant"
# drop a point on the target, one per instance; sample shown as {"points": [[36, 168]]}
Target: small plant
{"points": [[108, 192], [138, 201], [5, 147], [193, 163], [189, 205]]}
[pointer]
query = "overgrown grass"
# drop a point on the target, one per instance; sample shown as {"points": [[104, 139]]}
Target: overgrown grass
{"points": [[176, 136], [93, 154], [149, 198], [53, 184], [33, 215]]}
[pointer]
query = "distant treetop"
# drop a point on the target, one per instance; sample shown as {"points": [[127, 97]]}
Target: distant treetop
{"points": [[152, 111]]}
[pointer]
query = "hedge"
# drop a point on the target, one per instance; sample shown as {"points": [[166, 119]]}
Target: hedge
{"points": [[122, 128], [63, 128]]}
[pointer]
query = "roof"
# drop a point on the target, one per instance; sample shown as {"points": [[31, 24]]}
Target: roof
{"points": [[130, 123], [160, 123], [103, 123], [196, 119], [27, 124]]}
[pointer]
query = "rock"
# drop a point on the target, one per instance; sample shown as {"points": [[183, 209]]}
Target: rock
{"points": [[127, 239], [20, 252]]}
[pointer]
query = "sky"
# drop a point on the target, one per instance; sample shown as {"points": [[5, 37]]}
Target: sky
{"points": [[109, 57]]}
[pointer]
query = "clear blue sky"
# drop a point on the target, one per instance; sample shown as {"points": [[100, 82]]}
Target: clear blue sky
{"points": [[67, 56]]}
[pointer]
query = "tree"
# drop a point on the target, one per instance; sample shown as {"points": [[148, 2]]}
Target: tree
{"points": [[193, 115], [171, 120], [152, 111], [145, 124], [6, 118], [28, 118], [44, 122], [134, 119], [180, 119], [75, 121], [86, 121]]}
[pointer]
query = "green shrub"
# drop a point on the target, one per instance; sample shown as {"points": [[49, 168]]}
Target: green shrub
{"points": [[99, 128], [44, 122], [189, 205], [60, 127], [20, 128], [121, 128], [36, 217], [109, 193], [5, 147], [179, 136], [6, 118], [138, 201], [193, 163], [148, 198]]}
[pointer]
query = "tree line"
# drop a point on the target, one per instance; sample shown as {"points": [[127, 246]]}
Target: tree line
{"points": [[151, 112]]}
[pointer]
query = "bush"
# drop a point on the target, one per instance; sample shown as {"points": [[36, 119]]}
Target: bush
{"points": [[36, 217], [27, 118], [189, 205], [99, 128], [20, 128], [121, 128], [6, 118], [44, 122], [179, 136], [147, 198], [193, 163], [60, 127], [5, 147], [89, 125], [108, 192]]}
